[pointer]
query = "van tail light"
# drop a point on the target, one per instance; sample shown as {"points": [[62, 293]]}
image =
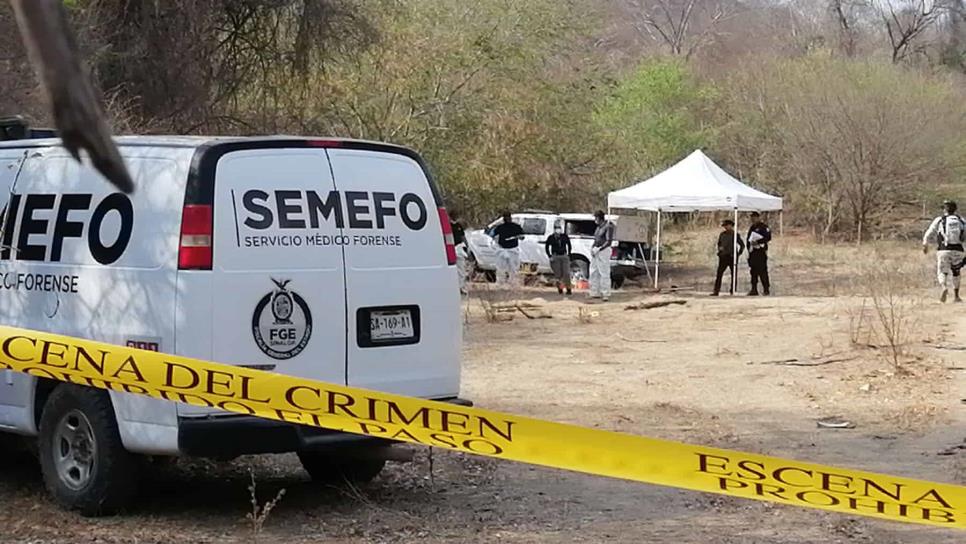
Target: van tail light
{"points": [[447, 236], [194, 251], [615, 253]]}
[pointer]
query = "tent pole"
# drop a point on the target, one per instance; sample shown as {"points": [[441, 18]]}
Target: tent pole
{"points": [[734, 262], [647, 269], [657, 250]]}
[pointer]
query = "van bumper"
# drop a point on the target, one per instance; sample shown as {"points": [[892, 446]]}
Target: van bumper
{"points": [[229, 436]]}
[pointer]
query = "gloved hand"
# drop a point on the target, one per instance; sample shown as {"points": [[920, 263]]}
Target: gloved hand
{"points": [[925, 249]]}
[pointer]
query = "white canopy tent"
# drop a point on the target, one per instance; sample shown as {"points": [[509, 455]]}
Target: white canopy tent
{"points": [[694, 184]]}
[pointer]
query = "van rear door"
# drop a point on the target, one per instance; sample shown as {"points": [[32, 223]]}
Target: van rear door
{"points": [[404, 326], [278, 283]]}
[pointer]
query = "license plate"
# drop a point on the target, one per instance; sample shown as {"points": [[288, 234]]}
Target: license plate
{"points": [[391, 325]]}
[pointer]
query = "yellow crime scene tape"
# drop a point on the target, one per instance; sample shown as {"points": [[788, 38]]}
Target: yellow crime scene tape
{"points": [[482, 432]]}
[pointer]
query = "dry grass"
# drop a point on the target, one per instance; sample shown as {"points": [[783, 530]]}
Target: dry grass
{"points": [[883, 284], [860, 323], [585, 316], [799, 265], [890, 308], [259, 514], [916, 416]]}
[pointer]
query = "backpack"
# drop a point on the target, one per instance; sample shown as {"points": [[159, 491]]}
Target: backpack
{"points": [[952, 232]]}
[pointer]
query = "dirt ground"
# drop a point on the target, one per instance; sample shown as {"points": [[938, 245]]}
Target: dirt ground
{"points": [[702, 372]]}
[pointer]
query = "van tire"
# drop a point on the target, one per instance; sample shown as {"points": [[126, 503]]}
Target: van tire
{"points": [[616, 282], [338, 468], [86, 416]]}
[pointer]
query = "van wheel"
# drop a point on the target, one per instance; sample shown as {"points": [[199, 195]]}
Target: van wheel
{"points": [[84, 463], [616, 282], [334, 468]]}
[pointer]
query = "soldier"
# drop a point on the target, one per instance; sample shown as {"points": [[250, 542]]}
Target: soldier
{"points": [[758, 237], [726, 255], [948, 232]]}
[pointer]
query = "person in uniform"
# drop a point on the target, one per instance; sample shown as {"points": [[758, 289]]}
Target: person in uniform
{"points": [[728, 242], [600, 257], [948, 232], [507, 236], [758, 237], [558, 251]]}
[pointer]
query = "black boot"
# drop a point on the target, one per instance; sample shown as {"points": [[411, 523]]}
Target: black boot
{"points": [[753, 292]]}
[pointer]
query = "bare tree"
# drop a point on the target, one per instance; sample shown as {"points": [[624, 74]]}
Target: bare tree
{"points": [[172, 63], [852, 144], [183, 65], [845, 15], [953, 36], [906, 22], [683, 26]]}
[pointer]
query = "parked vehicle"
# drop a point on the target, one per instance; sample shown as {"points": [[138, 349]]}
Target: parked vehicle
{"points": [[627, 260], [325, 259]]}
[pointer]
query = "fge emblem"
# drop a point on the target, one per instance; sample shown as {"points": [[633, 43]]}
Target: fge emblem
{"points": [[282, 322]]}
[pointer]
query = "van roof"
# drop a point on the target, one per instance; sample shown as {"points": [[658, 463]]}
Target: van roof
{"points": [[208, 149], [184, 141]]}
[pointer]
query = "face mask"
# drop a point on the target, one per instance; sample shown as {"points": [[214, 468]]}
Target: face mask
{"points": [[557, 231]]}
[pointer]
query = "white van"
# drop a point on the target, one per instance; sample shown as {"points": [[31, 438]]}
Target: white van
{"points": [[326, 259]]}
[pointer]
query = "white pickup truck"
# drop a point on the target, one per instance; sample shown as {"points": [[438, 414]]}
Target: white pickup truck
{"points": [[627, 260]]}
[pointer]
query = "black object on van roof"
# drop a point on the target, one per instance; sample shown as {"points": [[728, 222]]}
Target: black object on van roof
{"points": [[15, 127]]}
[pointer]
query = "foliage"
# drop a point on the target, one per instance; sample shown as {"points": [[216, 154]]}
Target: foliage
{"points": [[179, 65], [551, 103], [849, 143], [493, 93], [656, 115]]}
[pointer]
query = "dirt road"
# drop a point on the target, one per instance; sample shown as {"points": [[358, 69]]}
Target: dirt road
{"points": [[701, 372]]}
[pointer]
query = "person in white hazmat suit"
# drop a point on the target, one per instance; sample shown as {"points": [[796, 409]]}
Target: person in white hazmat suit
{"points": [[600, 257], [948, 232], [507, 236]]}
